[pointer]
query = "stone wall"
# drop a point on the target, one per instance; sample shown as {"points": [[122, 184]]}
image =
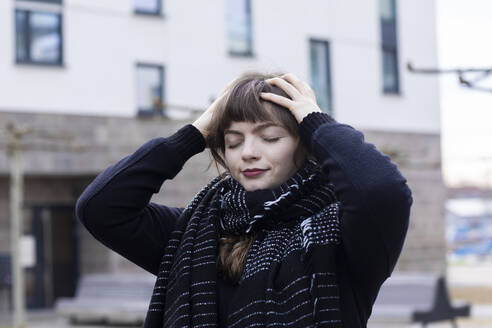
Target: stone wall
{"points": [[418, 157], [67, 151]]}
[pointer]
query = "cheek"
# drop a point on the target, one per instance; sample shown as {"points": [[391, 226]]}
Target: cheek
{"points": [[230, 159], [285, 153]]}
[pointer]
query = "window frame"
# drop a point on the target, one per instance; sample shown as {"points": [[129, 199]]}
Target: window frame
{"points": [[250, 51], [327, 45], [389, 44], [158, 12], [28, 38], [56, 2], [146, 112]]}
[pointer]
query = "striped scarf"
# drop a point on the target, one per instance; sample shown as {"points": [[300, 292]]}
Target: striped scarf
{"points": [[289, 278]]}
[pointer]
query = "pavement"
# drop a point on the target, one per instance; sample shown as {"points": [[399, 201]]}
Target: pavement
{"points": [[48, 319], [471, 283], [481, 318]]}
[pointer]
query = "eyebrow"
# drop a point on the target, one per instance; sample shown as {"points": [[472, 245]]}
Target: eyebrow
{"points": [[256, 129]]}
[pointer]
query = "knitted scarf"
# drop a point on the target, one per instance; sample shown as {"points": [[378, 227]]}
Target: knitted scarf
{"points": [[289, 277]]}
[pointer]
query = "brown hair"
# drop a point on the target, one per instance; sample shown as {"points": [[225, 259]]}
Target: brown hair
{"points": [[232, 255], [242, 103]]}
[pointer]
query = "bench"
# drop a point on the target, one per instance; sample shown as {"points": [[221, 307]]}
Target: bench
{"points": [[113, 299], [416, 298]]}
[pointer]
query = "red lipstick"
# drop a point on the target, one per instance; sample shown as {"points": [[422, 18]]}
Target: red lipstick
{"points": [[249, 173]]}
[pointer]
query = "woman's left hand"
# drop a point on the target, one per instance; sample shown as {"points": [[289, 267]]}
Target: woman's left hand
{"points": [[303, 100]]}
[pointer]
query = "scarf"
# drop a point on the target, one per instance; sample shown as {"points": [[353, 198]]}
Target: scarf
{"points": [[289, 278]]}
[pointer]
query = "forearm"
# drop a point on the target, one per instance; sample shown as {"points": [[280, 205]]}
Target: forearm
{"points": [[125, 188], [350, 160], [115, 206], [376, 199]]}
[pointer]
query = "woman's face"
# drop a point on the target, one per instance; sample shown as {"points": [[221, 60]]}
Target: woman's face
{"points": [[261, 155]]}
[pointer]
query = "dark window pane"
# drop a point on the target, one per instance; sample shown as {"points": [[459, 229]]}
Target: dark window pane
{"points": [[21, 35], [148, 6], [390, 71], [239, 26], [320, 73], [45, 37], [389, 46], [48, 1], [388, 34], [149, 87], [38, 37]]}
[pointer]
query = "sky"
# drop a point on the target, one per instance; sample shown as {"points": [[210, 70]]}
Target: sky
{"points": [[464, 28]]}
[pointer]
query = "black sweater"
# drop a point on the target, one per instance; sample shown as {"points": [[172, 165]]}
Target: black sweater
{"points": [[375, 199]]}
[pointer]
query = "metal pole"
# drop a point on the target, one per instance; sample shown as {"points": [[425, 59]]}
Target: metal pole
{"points": [[16, 201], [16, 233]]}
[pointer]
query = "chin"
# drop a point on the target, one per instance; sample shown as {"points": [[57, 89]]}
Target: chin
{"points": [[251, 188], [252, 185], [257, 185]]}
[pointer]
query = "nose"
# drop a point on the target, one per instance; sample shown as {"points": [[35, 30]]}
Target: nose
{"points": [[250, 151]]}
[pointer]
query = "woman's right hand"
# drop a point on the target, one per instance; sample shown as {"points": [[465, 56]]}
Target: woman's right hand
{"points": [[202, 122]]}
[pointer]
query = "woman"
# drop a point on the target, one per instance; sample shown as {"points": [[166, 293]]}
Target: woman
{"points": [[300, 231]]}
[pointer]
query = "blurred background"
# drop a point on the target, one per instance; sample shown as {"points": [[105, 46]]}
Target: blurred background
{"points": [[84, 83]]}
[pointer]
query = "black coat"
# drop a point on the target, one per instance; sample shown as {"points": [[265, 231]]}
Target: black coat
{"points": [[375, 197]]}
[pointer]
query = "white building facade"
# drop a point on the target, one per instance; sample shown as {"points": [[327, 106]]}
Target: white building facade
{"points": [[115, 73], [93, 49]]}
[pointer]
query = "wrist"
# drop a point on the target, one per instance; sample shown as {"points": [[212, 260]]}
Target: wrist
{"points": [[187, 141], [311, 123], [302, 114], [199, 126]]}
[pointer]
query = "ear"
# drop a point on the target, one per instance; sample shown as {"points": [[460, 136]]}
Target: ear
{"points": [[300, 155]]}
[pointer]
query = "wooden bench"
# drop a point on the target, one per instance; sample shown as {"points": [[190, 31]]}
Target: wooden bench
{"points": [[416, 298], [109, 299]]}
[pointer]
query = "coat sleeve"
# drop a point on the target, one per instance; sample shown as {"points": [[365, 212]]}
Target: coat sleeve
{"points": [[115, 207], [375, 198]]}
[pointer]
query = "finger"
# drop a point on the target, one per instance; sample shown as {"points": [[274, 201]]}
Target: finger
{"points": [[288, 88], [301, 85], [280, 100]]}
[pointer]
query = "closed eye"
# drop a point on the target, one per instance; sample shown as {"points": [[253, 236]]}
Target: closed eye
{"points": [[269, 140]]}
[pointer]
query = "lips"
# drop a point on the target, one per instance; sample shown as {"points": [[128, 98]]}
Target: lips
{"points": [[249, 173]]}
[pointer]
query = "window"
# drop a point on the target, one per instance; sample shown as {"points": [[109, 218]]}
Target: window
{"points": [[38, 37], [148, 7], [150, 89], [321, 73], [239, 29], [389, 46], [47, 1]]}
